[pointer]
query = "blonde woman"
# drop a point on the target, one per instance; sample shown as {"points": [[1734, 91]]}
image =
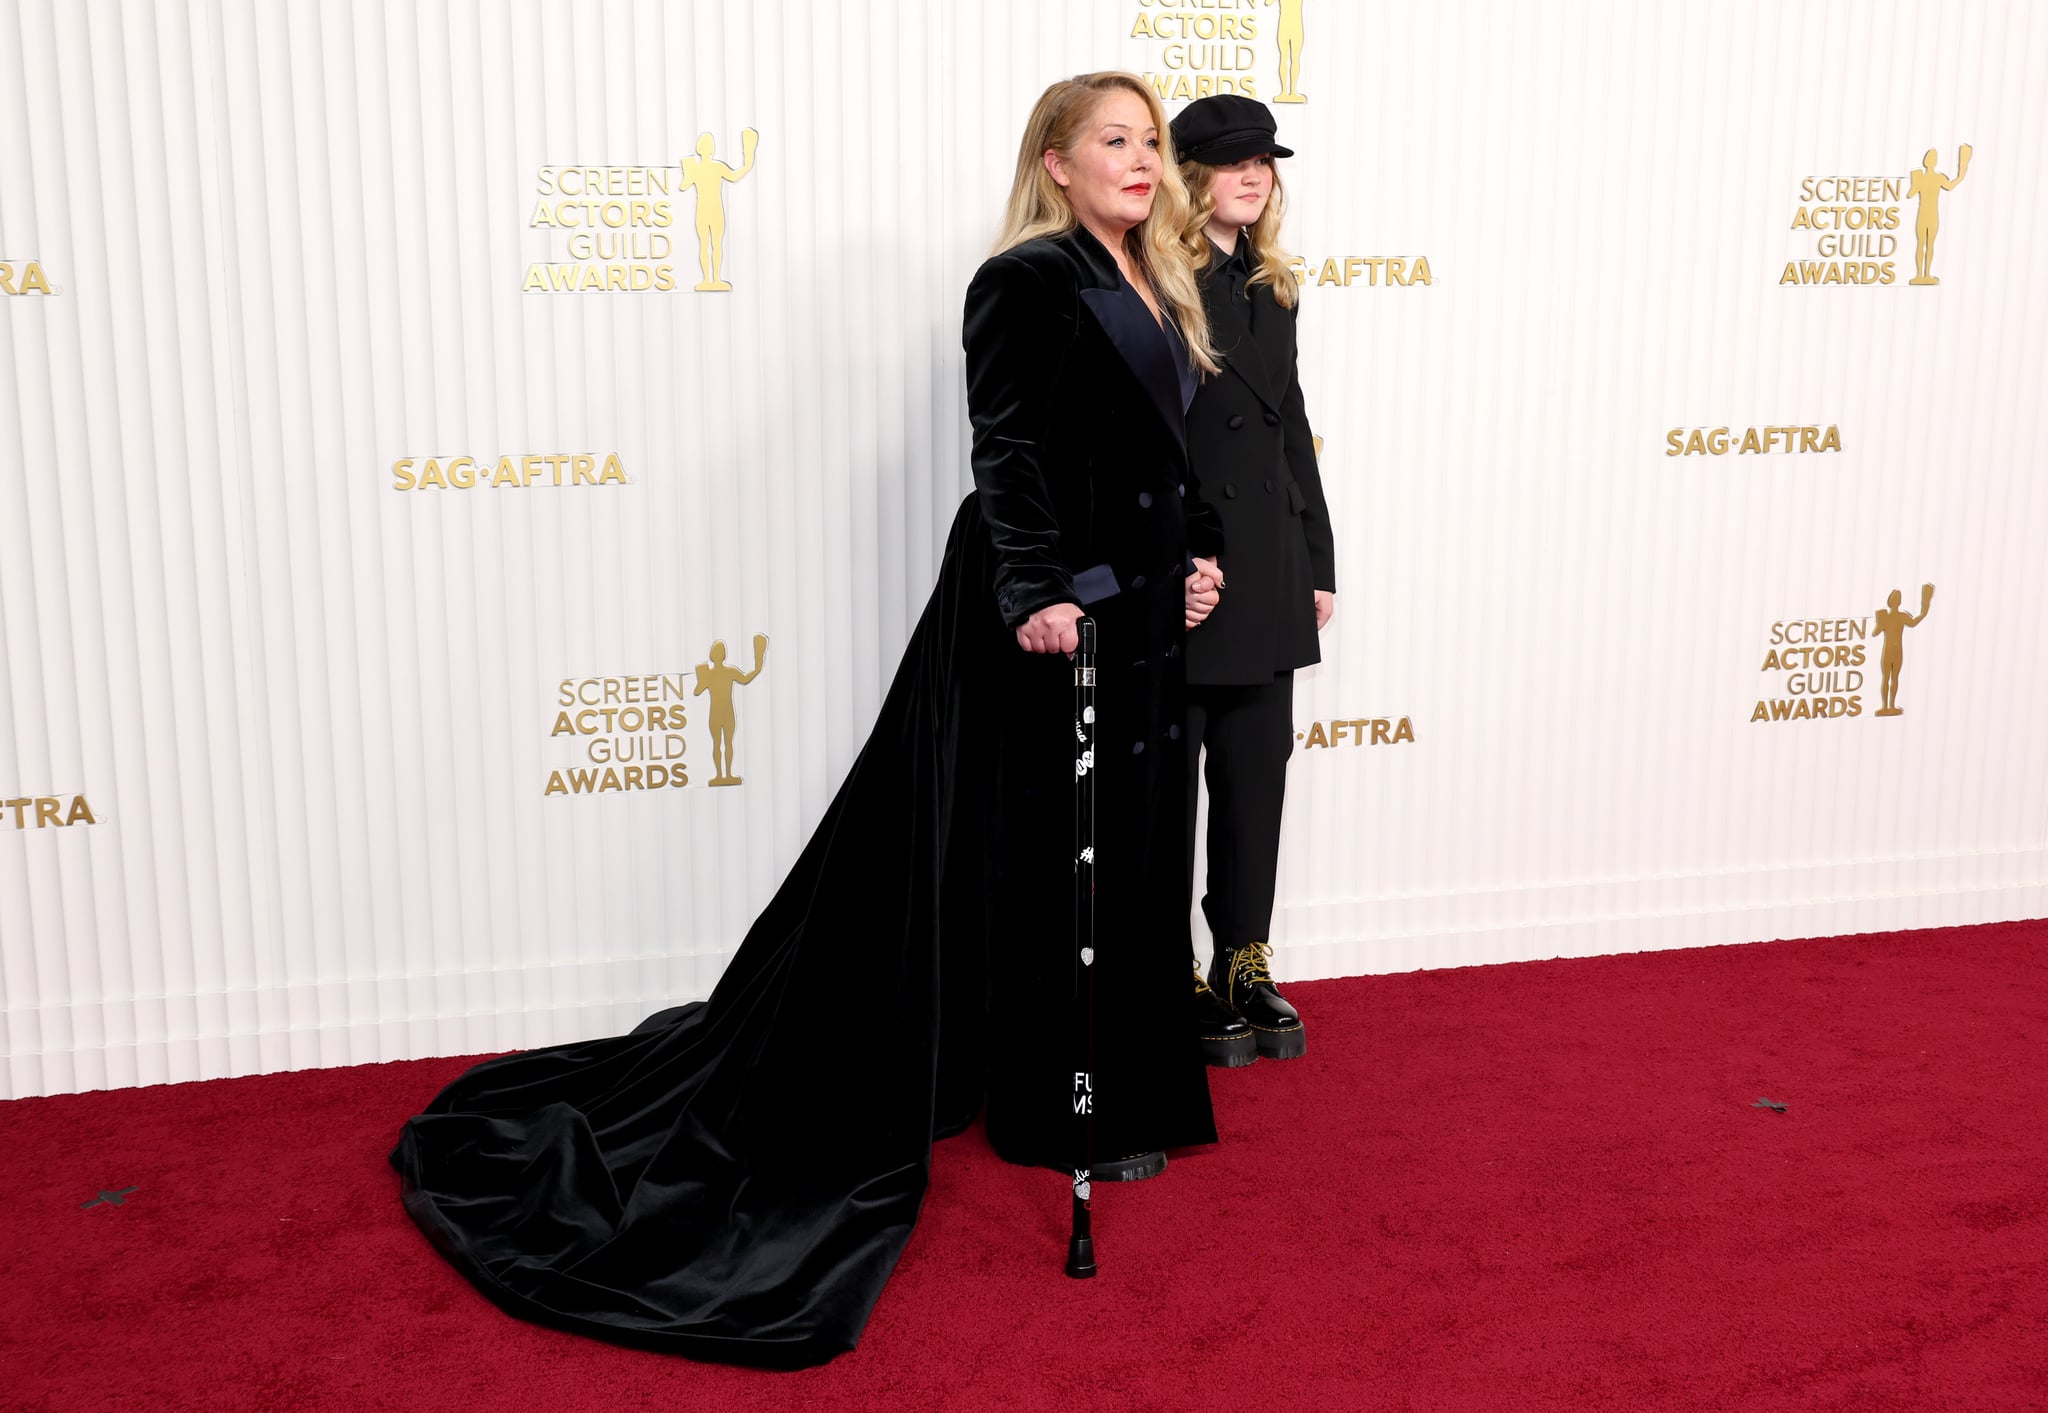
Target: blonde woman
{"points": [[1255, 464], [736, 1178], [1085, 336]]}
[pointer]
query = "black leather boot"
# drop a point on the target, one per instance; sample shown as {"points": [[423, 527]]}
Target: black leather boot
{"points": [[1242, 978], [1226, 1036]]}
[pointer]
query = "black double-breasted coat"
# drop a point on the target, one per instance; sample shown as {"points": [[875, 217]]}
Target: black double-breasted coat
{"points": [[1254, 464]]}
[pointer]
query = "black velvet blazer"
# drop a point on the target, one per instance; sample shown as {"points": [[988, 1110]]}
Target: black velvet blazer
{"points": [[1077, 402], [1254, 464]]}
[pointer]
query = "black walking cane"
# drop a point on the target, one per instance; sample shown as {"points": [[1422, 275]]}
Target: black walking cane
{"points": [[1081, 1246]]}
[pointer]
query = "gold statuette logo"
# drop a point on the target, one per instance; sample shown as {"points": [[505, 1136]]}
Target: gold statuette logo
{"points": [[1892, 623], [616, 224], [1927, 185], [1822, 663], [1288, 33], [1213, 46], [707, 176], [630, 731], [1852, 225], [720, 680]]}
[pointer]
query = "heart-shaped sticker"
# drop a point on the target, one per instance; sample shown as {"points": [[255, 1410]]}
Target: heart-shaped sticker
{"points": [[1087, 956]]}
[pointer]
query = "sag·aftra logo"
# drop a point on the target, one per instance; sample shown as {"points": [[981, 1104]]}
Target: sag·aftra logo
{"points": [[630, 731], [1357, 731], [49, 812], [1221, 46], [1823, 665], [1750, 441], [516, 472], [23, 277], [1370, 271], [616, 225], [1852, 230]]}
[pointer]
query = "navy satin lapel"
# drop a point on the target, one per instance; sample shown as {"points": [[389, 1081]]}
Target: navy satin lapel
{"points": [[1147, 352], [1185, 374]]}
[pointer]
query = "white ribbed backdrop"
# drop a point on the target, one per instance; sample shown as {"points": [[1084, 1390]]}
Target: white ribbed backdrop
{"points": [[310, 711]]}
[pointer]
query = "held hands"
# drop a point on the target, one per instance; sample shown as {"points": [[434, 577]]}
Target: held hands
{"points": [[1326, 608], [1204, 590], [1051, 629]]}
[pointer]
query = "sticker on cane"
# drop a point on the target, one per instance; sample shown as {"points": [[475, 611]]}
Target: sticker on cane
{"points": [[1081, 1184], [1084, 763], [1087, 956], [1088, 715]]}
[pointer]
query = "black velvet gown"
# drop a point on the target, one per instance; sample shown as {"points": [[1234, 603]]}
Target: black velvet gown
{"points": [[735, 1179]]}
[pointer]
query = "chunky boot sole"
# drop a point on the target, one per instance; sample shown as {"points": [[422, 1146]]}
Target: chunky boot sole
{"points": [[1288, 1044], [1230, 1052], [1145, 1165]]}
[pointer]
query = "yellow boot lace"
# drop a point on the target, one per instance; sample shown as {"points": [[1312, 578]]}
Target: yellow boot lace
{"points": [[1249, 967]]}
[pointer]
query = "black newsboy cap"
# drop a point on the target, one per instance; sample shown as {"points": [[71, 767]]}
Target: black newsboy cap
{"points": [[1225, 128]]}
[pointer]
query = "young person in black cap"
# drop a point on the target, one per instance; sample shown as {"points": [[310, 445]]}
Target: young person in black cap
{"points": [[1255, 465]]}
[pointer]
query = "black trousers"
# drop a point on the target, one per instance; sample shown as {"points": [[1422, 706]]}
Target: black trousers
{"points": [[1246, 735]]}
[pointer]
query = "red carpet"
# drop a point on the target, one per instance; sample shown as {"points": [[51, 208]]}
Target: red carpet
{"points": [[1542, 1186]]}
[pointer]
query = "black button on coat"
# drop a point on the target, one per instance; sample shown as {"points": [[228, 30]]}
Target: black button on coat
{"points": [[1250, 425]]}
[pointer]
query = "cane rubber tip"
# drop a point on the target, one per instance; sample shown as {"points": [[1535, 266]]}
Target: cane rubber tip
{"points": [[1081, 1257]]}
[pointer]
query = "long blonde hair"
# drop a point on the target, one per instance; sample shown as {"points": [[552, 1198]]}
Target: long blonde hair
{"points": [[1038, 206], [1270, 263]]}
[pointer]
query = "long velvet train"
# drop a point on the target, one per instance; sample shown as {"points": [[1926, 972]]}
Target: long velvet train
{"points": [[736, 1178]]}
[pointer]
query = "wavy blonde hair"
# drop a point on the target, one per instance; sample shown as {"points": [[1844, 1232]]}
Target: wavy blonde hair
{"points": [[1038, 205], [1269, 260]]}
